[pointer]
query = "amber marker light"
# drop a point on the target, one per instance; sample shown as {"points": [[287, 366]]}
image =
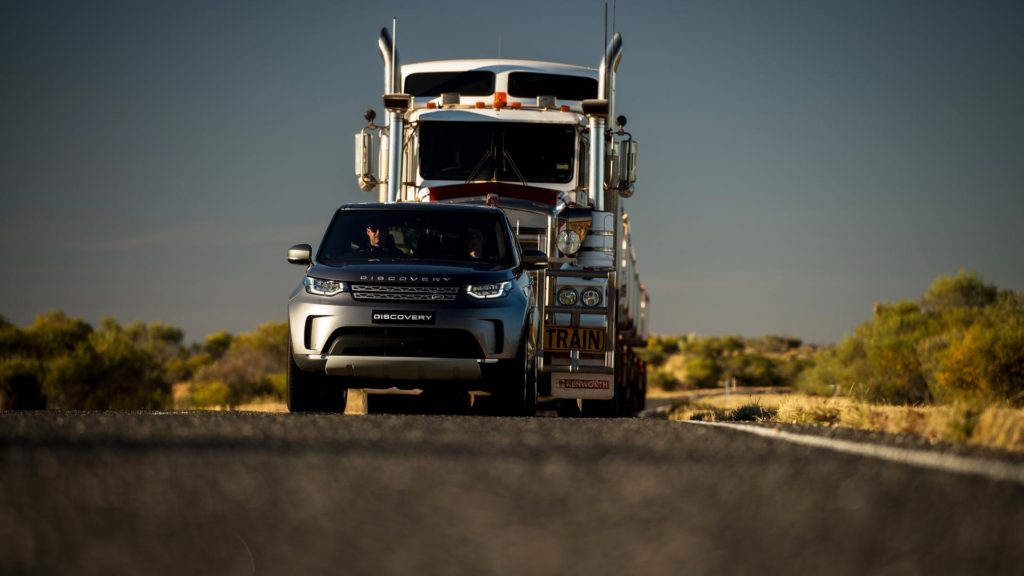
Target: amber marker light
{"points": [[564, 108], [500, 100], [431, 105], [479, 104], [516, 105]]}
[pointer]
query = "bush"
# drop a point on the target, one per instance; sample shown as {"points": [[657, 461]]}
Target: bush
{"points": [[209, 394], [20, 386], [107, 371], [702, 372], [253, 366], [964, 341], [63, 362], [662, 380]]}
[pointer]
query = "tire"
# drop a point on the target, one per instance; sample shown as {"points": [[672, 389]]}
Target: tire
{"points": [[312, 392], [516, 394], [568, 408]]}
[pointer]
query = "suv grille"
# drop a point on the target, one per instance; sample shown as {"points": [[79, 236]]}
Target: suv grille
{"points": [[401, 341], [386, 293]]}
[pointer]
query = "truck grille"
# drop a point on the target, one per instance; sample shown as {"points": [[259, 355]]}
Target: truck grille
{"points": [[386, 293]]}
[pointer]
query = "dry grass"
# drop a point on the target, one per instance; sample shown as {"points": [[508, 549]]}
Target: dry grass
{"points": [[991, 426]]}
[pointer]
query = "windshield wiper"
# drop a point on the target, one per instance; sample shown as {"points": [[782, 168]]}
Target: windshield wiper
{"points": [[479, 165], [506, 156]]}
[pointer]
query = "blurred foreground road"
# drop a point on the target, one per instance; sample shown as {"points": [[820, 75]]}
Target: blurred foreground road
{"points": [[244, 493]]}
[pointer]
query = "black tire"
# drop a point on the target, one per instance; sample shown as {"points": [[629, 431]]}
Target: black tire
{"points": [[333, 395], [312, 392], [568, 408], [516, 394]]}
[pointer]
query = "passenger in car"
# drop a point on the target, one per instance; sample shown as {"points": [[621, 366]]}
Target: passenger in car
{"points": [[474, 243]]}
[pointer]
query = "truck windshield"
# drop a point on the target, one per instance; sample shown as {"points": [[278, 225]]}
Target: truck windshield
{"points": [[507, 151], [397, 235]]}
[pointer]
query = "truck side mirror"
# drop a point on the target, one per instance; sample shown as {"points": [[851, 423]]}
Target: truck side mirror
{"points": [[626, 152], [535, 259], [364, 160], [301, 254]]}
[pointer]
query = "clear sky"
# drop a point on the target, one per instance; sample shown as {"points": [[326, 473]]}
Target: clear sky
{"points": [[799, 160]]}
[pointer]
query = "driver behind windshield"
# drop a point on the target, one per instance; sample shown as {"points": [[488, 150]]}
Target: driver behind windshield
{"points": [[378, 239]]}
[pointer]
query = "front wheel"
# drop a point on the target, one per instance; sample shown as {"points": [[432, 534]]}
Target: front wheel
{"points": [[517, 391], [312, 392]]}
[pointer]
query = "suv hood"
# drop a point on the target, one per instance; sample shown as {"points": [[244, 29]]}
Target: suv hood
{"points": [[412, 273]]}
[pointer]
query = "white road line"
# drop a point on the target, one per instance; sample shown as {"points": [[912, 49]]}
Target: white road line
{"points": [[973, 465]]}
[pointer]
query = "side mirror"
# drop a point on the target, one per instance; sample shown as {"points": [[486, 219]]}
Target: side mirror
{"points": [[535, 259], [626, 152], [301, 254], [364, 161]]}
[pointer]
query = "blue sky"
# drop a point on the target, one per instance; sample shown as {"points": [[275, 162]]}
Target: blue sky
{"points": [[799, 160]]}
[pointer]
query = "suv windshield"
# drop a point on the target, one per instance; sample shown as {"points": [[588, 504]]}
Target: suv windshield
{"points": [[397, 235], [507, 151]]}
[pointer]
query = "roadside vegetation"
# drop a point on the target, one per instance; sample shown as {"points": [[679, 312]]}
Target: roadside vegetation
{"points": [[992, 426], [60, 362], [691, 361], [949, 367]]}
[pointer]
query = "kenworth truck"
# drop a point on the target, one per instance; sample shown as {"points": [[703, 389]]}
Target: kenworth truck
{"points": [[521, 151]]}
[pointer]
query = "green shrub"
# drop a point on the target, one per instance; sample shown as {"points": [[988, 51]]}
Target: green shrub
{"points": [[702, 372], [963, 342], [662, 380], [253, 366], [210, 394]]}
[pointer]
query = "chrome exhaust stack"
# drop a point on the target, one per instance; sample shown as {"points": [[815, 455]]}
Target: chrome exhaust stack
{"points": [[395, 124], [598, 112]]}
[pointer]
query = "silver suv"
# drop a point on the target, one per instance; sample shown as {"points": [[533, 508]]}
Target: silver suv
{"points": [[434, 297]]}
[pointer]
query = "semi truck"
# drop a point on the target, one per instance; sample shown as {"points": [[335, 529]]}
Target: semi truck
{"points": [[523, 152]]}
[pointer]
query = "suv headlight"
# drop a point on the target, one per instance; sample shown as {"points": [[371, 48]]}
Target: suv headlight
{"points": [[322, 287], [488, 291], [590, 297], [568, 242]]}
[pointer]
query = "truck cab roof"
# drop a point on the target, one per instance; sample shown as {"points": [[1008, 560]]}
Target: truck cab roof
{"points": [[520, 81]]}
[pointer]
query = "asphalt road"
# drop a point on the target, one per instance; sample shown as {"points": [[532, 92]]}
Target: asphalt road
{"points": [[243, 493]]}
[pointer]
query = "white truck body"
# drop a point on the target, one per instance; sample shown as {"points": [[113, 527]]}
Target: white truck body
{"points": [[531, 138]]}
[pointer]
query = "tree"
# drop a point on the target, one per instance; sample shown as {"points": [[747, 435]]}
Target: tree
{"points": [[963, 341], [252, 366], [107, 371], [965, 289]]}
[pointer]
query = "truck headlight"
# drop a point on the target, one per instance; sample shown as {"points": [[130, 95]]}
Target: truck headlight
{"points": [[590, 297], [568, 242], [488, 291], [567, 297], [322, 287]]}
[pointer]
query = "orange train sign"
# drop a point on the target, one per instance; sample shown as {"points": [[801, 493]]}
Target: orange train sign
{"points": [[564, 339]]}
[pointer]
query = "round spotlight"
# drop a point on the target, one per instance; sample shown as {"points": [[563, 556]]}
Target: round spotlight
{"points": [[568, 242], [567, 297], [591, 297]]}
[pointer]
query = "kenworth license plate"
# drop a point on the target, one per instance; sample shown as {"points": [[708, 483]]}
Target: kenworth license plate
{"points": [[588, 386], [400, 317], [558, 339]]}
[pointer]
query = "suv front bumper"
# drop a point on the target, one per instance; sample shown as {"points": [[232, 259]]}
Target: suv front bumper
{"points": [[487, 332]]}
